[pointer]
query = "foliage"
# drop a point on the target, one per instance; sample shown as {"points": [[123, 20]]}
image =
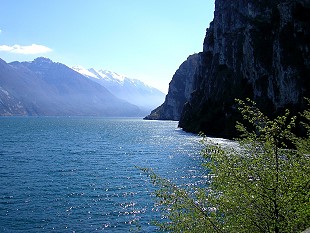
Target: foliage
{"points": [[262, 185], [181, 210]]}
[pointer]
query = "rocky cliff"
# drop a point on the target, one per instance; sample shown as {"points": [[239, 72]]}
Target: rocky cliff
{"points": [[180, 89], [258, 49]]}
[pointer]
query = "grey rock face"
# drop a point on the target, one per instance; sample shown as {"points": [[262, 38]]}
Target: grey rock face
{"points": [[257, 49], [180, 89]]}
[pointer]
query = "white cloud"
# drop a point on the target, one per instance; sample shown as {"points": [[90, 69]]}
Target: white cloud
{"points": [[0, 31], [27, 49]]}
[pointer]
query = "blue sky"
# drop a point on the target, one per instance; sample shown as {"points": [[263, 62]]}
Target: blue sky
{"points": [[144, 39]]}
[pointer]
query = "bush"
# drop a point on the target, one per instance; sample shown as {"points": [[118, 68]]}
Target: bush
{"points": [[262, 185]]}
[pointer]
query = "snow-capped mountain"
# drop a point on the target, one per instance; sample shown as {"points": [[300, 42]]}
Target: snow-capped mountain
{"points": [[132, 90], [44, 87]]}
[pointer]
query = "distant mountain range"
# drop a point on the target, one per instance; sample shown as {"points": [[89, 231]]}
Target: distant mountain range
{"points": [[44, 87], [132, 90]]}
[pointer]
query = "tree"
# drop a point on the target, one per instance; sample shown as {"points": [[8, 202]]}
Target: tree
{"points": [[261, 185]]}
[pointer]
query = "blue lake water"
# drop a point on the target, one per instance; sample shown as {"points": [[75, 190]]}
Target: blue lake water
{"points": [[62, 174]]}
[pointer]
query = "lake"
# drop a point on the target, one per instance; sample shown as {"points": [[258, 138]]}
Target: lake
{"points": [[78, 174]]}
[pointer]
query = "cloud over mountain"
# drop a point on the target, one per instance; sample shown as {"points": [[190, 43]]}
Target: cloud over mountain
{"points": [[25, 49]]}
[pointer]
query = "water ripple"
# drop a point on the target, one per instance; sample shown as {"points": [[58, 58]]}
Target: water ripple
{"points": [[61, 174]]}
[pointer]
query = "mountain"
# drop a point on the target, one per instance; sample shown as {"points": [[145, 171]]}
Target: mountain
{"points": [[43, 87], [180, 89], [257, 49], [132, 90]]}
